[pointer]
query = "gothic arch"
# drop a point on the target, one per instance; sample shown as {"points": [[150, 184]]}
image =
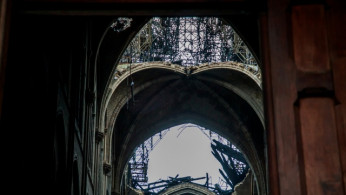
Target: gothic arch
{"points": [[135, 137], [114, 98], [119, 96]]}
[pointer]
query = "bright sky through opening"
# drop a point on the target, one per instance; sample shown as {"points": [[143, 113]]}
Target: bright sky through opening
{"points": [[187, 153]]}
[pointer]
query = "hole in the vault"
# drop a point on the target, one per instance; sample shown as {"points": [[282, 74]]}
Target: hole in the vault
{"points": [[183, 154]]}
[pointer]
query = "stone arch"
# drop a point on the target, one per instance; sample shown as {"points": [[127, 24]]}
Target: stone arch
{"points": [[243, 138], [171, 75], [115, 101], [203, 74], [118, 98], [248, 151], [108, 55]]}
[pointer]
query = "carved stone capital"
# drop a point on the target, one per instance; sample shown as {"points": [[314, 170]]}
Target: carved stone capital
{"points": [[107, 168], [99, 136]]}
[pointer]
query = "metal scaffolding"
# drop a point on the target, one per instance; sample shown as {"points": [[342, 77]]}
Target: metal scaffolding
{"points": [[188, 41], [138, 164]]}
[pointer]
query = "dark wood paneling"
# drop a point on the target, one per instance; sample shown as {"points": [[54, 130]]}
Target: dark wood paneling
{"points": [[340, 121], [282, 71], [309, 38], [336, 20], [320, 146]]}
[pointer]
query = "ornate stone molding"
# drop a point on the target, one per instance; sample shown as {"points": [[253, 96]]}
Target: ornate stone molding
{"points": [[123, 70]]}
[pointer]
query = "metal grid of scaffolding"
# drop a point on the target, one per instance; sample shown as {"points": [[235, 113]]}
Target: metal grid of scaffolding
{"points": [[188, 41], [138, 163]]}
